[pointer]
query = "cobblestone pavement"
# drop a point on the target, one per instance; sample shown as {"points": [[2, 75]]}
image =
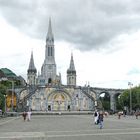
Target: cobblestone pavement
{"points": [[69, 127]]}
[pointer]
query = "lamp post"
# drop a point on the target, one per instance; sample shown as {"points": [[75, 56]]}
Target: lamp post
{"points": [[5, 105], [130, 86]]}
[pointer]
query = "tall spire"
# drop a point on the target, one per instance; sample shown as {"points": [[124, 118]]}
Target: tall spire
{"points": [[50, 34], [71, 73], [31, 65], [72, 67], [48, 70]]}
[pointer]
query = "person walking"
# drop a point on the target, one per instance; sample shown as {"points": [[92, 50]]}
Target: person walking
{"points": [[24, 114], [96, 115], [101, 117], [29, 115], [137, 114]]}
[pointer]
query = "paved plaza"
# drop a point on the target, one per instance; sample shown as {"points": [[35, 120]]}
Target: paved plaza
{"points": [[69, 127]]}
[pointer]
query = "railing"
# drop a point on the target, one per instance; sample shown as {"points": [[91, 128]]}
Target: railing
{"points": [[23, 102], [86, 92]]}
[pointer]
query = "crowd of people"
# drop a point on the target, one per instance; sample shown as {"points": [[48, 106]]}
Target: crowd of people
{"points": [[99, 116]]}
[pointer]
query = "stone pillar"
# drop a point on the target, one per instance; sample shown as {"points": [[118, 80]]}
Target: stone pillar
{"points": [[112, 102]]}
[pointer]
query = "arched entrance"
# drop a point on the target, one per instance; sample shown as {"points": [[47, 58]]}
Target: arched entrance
{"points": [[59, 100], [49, 81]]}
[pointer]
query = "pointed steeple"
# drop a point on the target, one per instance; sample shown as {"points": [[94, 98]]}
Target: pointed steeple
{"points": [[31, 65], [72, 67], [71, 73], [50, 34], [48, 70]]}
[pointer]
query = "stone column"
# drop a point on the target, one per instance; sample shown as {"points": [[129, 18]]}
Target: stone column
{"points": [[112, 102]]}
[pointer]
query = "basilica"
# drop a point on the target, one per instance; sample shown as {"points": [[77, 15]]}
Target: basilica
{"points": [[45, 90]]}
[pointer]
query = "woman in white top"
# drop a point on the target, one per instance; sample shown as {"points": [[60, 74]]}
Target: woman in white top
{"points": [[29, 115]]}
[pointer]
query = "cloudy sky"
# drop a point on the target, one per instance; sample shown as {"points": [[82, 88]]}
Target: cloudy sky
{"points": [[103, 36]]}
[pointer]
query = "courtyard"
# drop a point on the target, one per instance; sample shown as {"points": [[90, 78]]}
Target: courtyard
{"points": [[69, 127]]}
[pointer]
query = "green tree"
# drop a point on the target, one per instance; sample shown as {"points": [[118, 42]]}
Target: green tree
{"points": [[2, 102], [124, 99], [2, 98], [4, 86]]}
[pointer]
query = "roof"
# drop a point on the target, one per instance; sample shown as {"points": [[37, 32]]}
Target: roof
{"points": [[7, 73], [31, 65]]}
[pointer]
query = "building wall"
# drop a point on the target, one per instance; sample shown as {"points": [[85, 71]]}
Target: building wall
{"points": [[53, 99]]}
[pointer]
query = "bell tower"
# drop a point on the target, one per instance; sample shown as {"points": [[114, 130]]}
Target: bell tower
{"points": [[31, 72], [71, 73], [48, 70]]}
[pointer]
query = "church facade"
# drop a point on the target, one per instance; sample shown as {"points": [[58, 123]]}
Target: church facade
{"points": [[46, 91]]}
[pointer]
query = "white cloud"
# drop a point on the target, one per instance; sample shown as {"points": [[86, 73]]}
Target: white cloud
{"points": [[113, 65]]}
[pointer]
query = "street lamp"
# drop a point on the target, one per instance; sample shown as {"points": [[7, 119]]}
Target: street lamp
{"points": [[130, 85], [5, 105]]}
